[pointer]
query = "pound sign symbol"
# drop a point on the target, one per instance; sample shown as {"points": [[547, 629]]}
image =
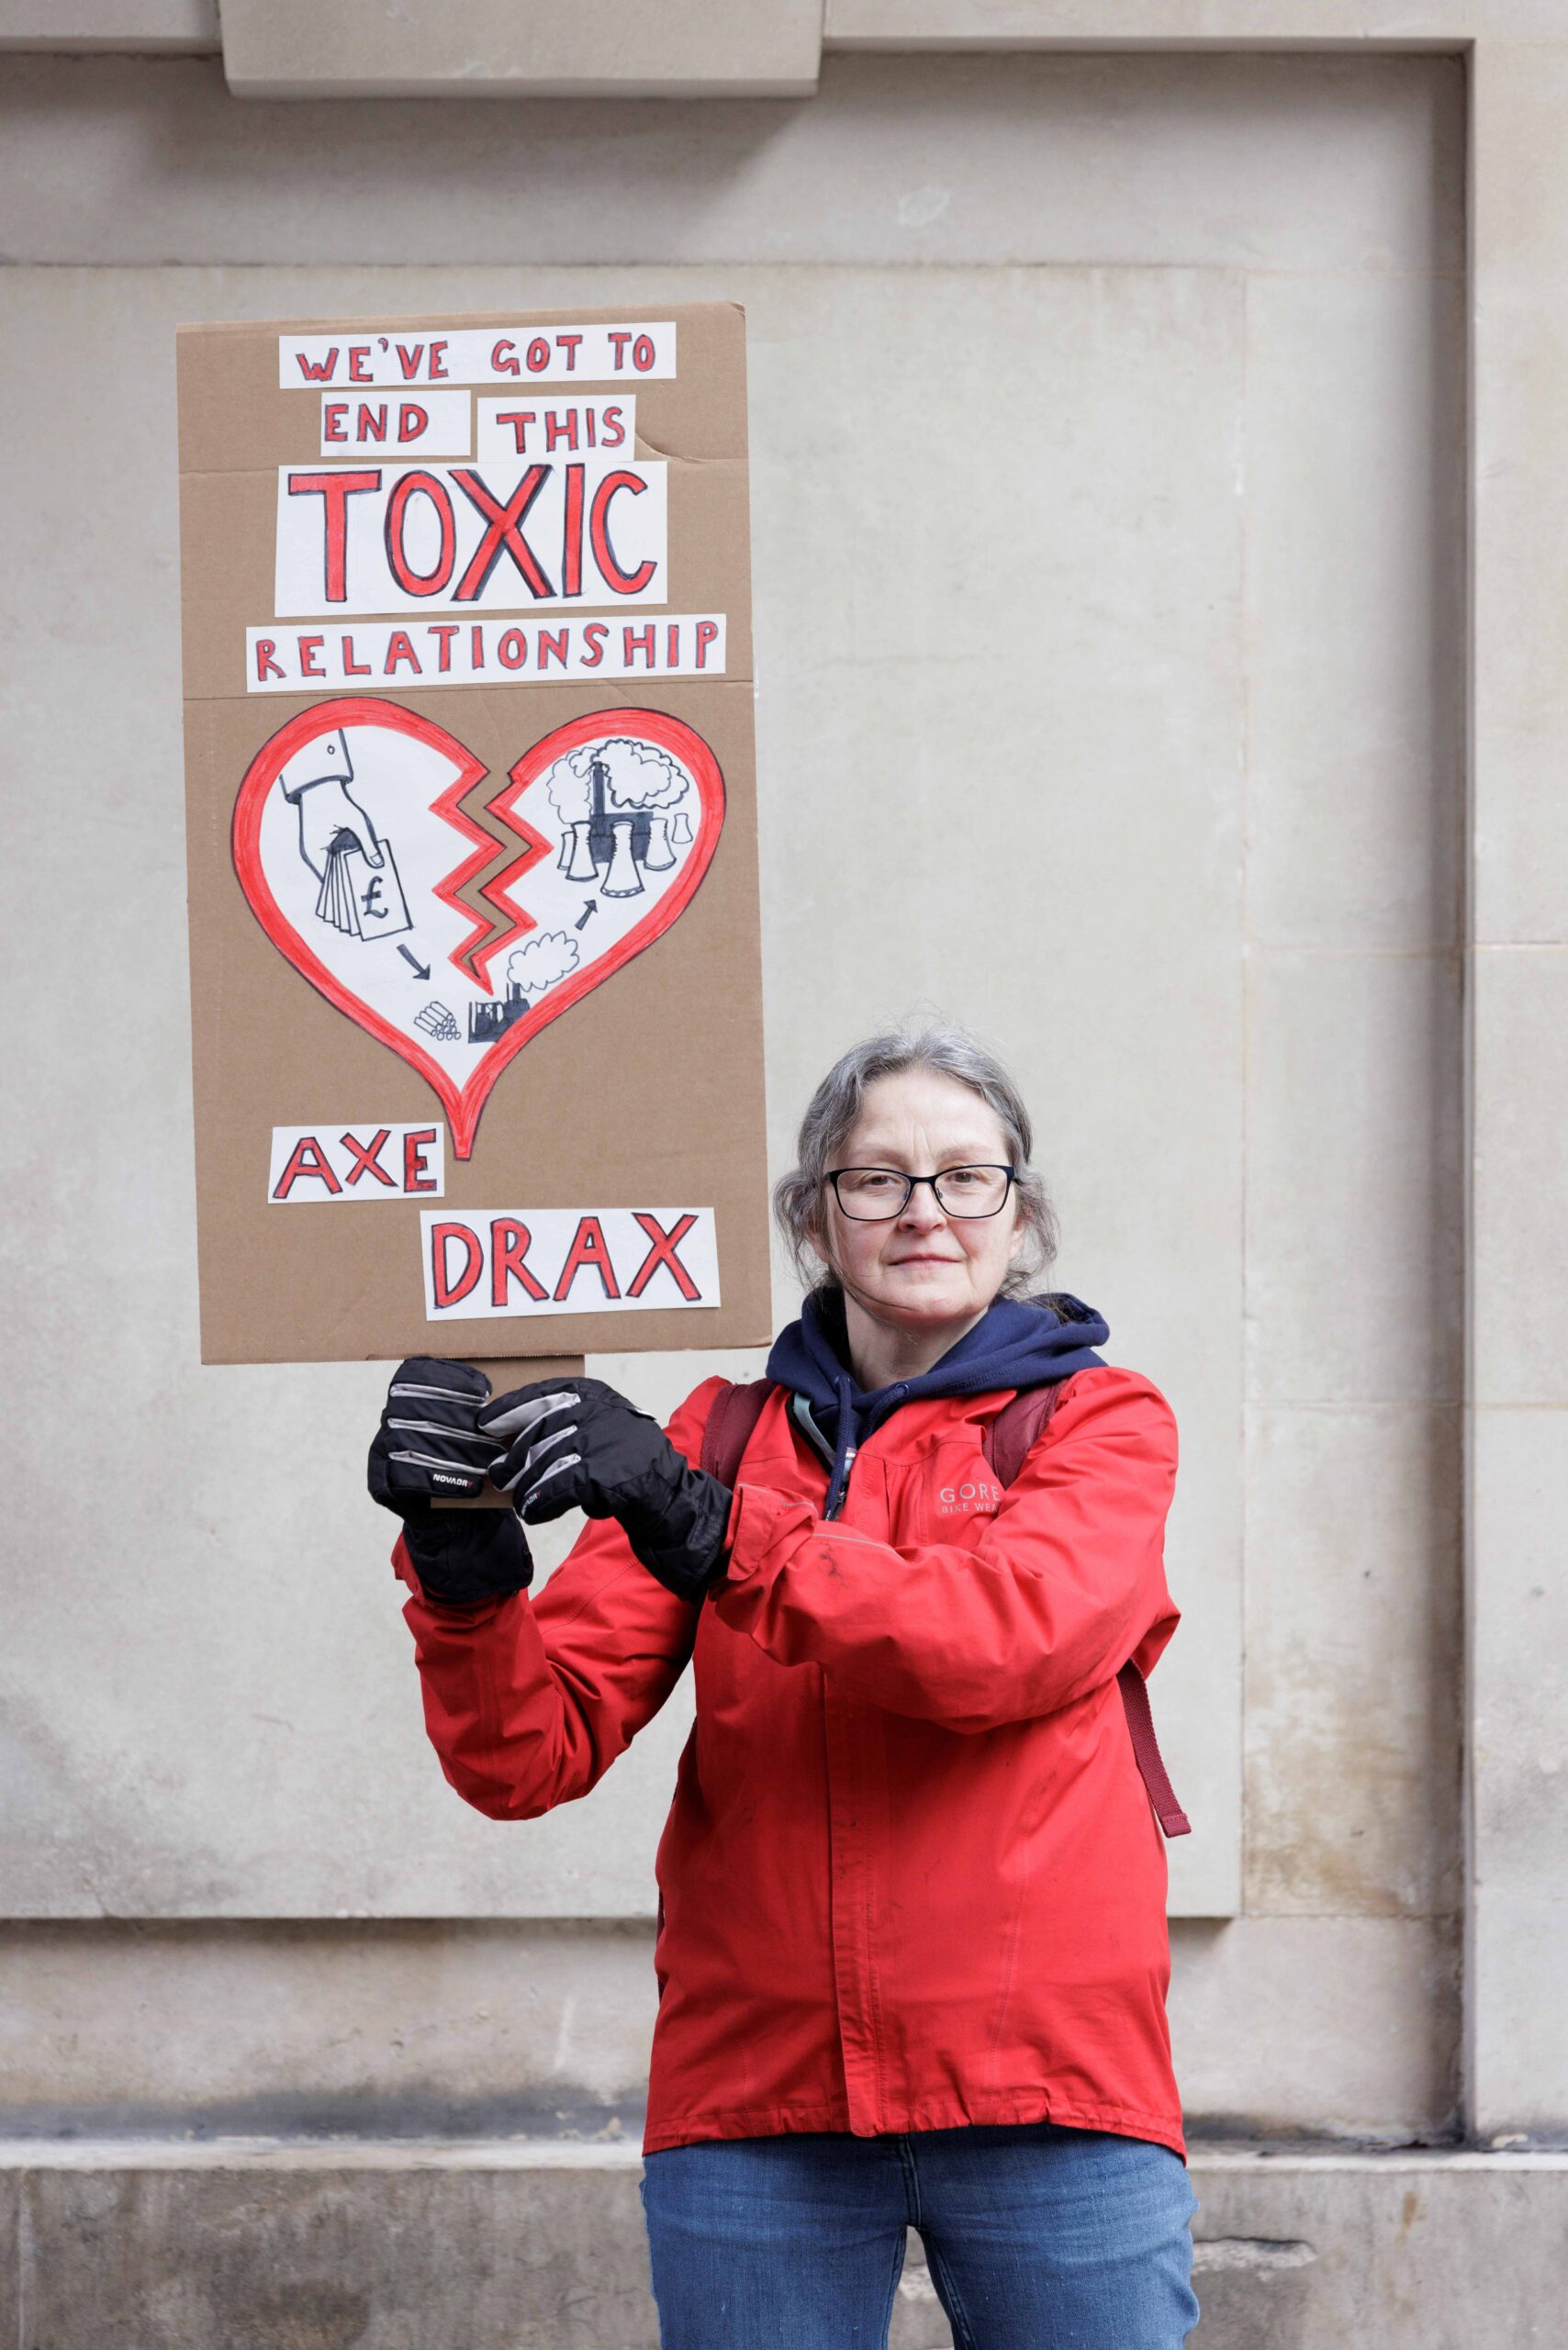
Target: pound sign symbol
{"points": [[371, 902]]}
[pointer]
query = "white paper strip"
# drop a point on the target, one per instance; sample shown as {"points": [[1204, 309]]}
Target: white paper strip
{"points": [[498, 536], [396, 424], [334, 1161], [380, 657], [586, 355], [544, 424], [488, 1264]]}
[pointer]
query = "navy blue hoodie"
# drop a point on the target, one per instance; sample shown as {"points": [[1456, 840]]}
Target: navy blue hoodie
{"points": [[1017, 1343]]}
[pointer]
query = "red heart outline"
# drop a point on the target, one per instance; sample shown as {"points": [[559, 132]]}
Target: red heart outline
{"points": [[465, 1105]]}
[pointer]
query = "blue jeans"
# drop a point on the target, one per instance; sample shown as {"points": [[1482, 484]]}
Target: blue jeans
{"points": [[1038, 2238]]}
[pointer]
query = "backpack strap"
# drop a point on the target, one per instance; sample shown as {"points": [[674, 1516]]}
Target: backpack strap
{"points": [[1007, 1445], [735, 1413]]}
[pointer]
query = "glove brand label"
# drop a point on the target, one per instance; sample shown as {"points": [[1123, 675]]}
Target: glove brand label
{"points": [[483, 1263]]}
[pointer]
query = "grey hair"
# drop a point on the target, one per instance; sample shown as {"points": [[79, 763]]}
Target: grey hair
{"points": [[830, 1119]]}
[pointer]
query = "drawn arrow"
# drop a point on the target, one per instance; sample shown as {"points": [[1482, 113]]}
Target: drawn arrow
{"points": [[584, 913], [421, 970]]}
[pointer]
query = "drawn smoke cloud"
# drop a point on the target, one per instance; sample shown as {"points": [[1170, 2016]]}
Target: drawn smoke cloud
{"points": [[639, 776], [618, 805], [540, 962], [532, 968]]}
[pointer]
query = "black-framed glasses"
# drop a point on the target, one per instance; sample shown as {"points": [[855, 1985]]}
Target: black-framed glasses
{"points": [[877, 1195]]}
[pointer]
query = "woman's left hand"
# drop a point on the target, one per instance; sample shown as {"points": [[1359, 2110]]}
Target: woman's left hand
{"points": [[579, 1444]]}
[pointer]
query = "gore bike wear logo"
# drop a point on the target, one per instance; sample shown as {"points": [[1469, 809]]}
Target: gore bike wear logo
{"points": [[453, 911], [966, 1498]]}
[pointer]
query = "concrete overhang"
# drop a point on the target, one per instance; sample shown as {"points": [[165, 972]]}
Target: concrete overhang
{"points": [[512, 49]]}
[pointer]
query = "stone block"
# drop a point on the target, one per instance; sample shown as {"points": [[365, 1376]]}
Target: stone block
{"points": [[1354, 1681], [1338, 2027], [1520, 1184], [1518, 1756], [1355, 609], [1354, 1200]]}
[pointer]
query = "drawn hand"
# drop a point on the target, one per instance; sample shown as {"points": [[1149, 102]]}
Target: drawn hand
{"points": [[324, 811]]}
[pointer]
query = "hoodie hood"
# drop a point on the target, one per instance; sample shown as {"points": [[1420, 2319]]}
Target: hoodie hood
{"points": [[1017, 1343]]}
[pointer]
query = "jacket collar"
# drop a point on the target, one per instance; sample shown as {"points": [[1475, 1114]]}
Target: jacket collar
{"points": [[1017, 1344]]}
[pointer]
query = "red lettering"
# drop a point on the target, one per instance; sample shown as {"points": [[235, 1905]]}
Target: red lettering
{"points": [[371, 423], [503, 358], [309, 647], [621, 583], [637, 640], [569, 343], [334, 490], [367, 1159], [332, 416], [413, 420], [307, 1157], [444, 1289], [399, 647], [560, 424], [358, 372], [519, 419], [503, 530], [572, 533], [266, 665], [443, 632], [353, 668], [552, 641], [508, 1246], [593, 636], [413, 582], [409, 358], [663, 1253], [620, 341], [672, 645], [318, 371], [613, 428], [706, 633], [512, 650], [589, 1248], [539, 354], [438, 359], [415, 1145], [642, 353], [476, 645]]}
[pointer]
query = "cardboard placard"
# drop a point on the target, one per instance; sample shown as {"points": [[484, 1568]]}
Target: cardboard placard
{"points": [[472, 840]]}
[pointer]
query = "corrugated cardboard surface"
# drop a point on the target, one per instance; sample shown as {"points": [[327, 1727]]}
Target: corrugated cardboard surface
{"points": [[647, 1092]]}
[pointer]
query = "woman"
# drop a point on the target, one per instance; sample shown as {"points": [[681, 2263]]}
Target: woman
{"points": [[912, 1951]]}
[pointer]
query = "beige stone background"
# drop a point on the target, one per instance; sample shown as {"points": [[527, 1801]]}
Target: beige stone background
{"points": [[1144, 747]]}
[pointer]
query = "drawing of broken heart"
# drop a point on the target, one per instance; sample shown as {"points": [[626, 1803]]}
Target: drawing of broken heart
{"points": [[452, 913]]}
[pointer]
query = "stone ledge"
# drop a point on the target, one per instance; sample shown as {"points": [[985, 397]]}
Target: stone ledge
{"points": [[177, 2244]]}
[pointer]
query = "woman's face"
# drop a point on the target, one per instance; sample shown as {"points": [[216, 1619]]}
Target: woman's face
{"points": [[923, 1266]]}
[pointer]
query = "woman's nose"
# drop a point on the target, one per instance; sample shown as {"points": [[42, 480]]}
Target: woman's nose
{"points": [[922, 1209]]}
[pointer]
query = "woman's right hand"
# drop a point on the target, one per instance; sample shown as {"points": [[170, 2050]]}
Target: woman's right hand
{"points": [[428, 1447], [427, 1450]]}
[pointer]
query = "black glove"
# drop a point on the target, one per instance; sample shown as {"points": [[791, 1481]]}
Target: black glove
{"points": [[427, 1450], [578, 1444]]}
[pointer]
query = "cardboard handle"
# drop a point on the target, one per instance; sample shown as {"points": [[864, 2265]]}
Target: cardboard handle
{"points": [[516, 1370]]}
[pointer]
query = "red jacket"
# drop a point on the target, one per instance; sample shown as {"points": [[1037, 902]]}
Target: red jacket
{"points": [[911, 1877]]}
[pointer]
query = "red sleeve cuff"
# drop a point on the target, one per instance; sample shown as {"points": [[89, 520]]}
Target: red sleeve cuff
{"points": [[759, 1519]]}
